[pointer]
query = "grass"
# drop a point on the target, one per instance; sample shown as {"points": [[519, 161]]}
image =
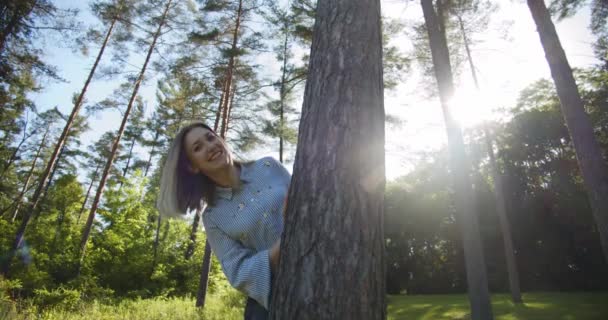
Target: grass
{"points": [[536, 306]]}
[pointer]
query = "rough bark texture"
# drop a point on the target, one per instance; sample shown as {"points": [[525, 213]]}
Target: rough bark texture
{"points": [[593, 167], [192, 244], [52, 161], [106, 171], [332, 249], [505, 226], [479, 296]]}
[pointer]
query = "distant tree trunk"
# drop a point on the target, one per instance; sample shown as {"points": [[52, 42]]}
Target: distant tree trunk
{"points": [[282, 94], [192, 243], [501, 210], [13, 156], [588, 153], [156, 241], [204, 279], [218, 114], [230, 104], [124, 172], [332, 263], [106, 171], [156, 136], [86, 198], [29, 175], [479, 296], [505, 226], [230, 70], [41, 184]]}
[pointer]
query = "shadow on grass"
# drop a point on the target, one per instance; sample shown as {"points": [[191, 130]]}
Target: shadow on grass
{"points": [[537, 306]]}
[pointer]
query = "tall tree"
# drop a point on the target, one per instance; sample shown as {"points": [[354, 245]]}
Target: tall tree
{"points": [[160, 21], [479, 296], [113, 11], [284, 23], [590, 160], [335, 210], [477, 10]]}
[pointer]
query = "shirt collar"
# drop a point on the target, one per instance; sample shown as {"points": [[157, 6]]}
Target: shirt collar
{"points": [[227, 193]]}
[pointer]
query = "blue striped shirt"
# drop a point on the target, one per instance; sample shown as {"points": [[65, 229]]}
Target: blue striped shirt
{"points": [[244, 223]]}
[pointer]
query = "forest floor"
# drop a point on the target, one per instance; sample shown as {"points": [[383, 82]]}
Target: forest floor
{"points": [[537, 306]]}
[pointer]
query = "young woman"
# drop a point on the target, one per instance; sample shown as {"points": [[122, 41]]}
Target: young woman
{"points": [[244, 203]]}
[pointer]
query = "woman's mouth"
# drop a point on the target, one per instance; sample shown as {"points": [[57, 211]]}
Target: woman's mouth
{"points": [[215, 155]]}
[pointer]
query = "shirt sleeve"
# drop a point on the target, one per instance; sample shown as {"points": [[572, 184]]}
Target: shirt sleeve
{"points": [[247, 270], [284, 174]]}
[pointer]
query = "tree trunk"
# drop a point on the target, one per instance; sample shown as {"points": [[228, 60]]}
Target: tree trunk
{"points": [[229, 71], [29, 175], [156, 136], [505, 226], [41, 184], [479, 296], [332, 263], [86, 198], [124, 172], [230, 104], [593, 167], [204, 279], [13, 156], [156, 241], [501, 210], [282, 97], [192, 243], [106, 171], [218, 114]]}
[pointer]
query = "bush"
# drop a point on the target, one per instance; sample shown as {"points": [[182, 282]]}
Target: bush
{"points": [[60, 298]]}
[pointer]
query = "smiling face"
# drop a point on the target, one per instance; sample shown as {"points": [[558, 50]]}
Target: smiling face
{"points": [[206, 151]]}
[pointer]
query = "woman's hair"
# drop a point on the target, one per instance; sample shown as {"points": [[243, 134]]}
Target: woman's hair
{"points": [[180, 189]]}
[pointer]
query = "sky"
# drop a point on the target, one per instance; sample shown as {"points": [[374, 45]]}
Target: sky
{"points": [[505, 67]]}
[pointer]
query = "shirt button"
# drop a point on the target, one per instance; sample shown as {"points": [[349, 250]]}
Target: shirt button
{"points": [[265, 214], [267, 163], [241, 206]]}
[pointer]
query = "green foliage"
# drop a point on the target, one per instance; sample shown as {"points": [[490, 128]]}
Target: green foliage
{"points": [[60, 298]]}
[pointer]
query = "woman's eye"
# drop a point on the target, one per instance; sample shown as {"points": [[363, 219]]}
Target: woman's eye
{"points": [[197, 148], [210, 137]]}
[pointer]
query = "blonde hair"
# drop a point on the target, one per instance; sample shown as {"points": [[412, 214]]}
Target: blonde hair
{"points": [[181, 190]]}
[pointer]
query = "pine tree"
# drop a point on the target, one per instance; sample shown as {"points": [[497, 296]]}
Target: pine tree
{"points": [[339, 158], [590, 160], [479, 296]]}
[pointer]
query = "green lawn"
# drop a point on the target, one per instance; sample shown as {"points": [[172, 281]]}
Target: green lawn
{"points": [[536, 306]]}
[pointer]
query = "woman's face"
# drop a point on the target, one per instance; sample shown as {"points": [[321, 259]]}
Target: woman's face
{"points": [[206, 151]]}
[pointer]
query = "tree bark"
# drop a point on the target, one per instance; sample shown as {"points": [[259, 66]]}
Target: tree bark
{"points": [[106, 171], [501, 210], [229, 70], [204, 279], [479, 296], [42, 183], [332, 263], [282, 97], [505, 226], [192, 244], [84, 203], [156, 136], [588, 153]]}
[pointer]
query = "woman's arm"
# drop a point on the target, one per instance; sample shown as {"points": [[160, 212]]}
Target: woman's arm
{"points": [[245, 269]]}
